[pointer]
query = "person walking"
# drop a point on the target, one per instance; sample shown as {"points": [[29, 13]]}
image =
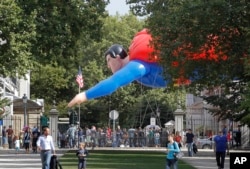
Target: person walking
{"points": [[82, 154], [35, 135], [71, 132], [46, 146], [228, 141], [220, 149], [93, 137], [17, 144], [172, 148], [4, 136], [10, 133], [178, 138], [157, 138], [224, 130], [27, 138], [189, 142]]}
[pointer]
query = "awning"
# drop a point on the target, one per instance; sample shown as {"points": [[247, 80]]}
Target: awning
{"points": [[18, 105]]}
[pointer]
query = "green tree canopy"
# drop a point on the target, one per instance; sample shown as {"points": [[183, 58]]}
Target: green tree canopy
{"points": [[183, 28], [18, 29]]}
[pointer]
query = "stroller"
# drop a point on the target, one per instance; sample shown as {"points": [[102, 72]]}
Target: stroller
{"points": [[54, 163]]}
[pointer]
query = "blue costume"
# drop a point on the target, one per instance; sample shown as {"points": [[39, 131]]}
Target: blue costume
{"points": [[148, 74]]}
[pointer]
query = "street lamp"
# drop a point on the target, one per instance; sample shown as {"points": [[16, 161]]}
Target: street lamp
{"points": [[205, 117], [25, 111], [158, 113]]}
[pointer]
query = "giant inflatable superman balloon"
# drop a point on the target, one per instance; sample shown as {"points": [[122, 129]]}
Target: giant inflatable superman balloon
{"points": [[140, 65]]}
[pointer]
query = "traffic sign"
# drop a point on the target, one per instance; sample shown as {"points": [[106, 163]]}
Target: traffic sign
{"points": [[113, 114]]}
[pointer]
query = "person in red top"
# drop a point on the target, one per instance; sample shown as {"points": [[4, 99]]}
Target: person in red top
{"points": [[10, 134], [178, 138], [140, 65], [228, 141]]}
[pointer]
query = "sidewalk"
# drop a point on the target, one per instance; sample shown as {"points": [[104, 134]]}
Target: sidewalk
{"points": [[59, 152]]}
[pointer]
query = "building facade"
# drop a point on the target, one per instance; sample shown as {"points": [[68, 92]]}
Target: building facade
{"points": [[15, 113]]}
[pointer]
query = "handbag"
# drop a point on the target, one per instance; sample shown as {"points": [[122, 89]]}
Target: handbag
{"points": [[179, 154]]}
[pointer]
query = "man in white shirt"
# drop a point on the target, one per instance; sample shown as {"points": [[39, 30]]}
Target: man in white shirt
{"points": [[46, 146]]}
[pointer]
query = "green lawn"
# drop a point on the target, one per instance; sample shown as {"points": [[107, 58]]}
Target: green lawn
{"points": [[119, 159]]}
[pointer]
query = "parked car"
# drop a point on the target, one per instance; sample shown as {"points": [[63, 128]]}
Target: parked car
{"points": [[206, 143]]}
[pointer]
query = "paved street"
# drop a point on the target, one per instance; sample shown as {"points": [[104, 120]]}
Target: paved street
{"points": [[10, 160], [205, 162], [19, 161]]}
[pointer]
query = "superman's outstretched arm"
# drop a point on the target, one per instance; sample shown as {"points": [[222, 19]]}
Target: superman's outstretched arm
{"points": [[130, 72]]}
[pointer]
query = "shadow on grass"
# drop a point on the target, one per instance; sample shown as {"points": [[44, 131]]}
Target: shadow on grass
{"points": [[113, 159]]}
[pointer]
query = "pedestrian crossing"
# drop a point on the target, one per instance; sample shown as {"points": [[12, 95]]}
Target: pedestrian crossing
{"points": [[19, 161], [11, 160]]}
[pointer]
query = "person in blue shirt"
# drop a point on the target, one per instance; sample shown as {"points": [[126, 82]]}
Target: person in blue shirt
{"points": [[220, 149], [172, 148], [224, 131]]}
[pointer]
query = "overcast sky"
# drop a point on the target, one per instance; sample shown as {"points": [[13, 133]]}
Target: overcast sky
{"points": [[117, 6]]}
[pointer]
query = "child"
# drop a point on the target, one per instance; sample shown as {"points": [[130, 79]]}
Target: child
{"points": [[17, 144], [82, 153]]}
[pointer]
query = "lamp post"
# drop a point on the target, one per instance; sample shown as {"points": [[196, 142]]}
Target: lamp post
{"points": [[205, 117], [158, 113], [25, 109]]}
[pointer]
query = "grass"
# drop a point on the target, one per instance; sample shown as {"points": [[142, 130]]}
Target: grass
{"points": [[119, 159]]}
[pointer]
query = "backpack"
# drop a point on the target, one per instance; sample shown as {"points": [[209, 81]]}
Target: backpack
{"points": [[195, 149], [26, 137], [54, 163]]}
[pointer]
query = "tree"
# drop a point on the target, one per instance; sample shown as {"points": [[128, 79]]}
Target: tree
{"points": [[63, 30], [184, 28], [64, 27], [3, 102], [51, 78], [244, 108], [147, 104], [18, 29]]}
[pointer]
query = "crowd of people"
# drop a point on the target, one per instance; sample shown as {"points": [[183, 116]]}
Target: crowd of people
{"points": [[91, 136], [121, 137], [26, 138], [76, 137]]}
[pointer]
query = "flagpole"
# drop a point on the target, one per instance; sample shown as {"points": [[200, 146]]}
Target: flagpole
{"points": [[79, 106], [79, 118], [79, 80]]}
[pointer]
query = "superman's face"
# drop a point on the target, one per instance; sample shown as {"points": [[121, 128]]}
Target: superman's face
{"points": [[114, 64]]}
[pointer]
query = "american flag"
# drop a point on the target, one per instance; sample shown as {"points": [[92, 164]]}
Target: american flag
{"points": [[79, 78]]}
